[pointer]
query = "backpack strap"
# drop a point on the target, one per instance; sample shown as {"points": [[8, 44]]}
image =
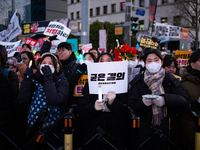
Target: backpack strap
{"points": [[6, 71]]}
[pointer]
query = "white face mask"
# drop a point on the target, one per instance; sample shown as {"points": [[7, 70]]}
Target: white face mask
{"points": [[51, 67], [132, 64], [86, 62], [153, 67]]}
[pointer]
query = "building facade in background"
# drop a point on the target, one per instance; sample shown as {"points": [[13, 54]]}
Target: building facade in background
{"points": [[114, 11], [32, 10]]}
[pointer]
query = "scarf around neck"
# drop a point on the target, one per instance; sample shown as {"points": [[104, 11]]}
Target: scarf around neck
{"points": [[154, 82]]}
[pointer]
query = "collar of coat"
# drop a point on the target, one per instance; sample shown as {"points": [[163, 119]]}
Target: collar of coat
{"points": [[169, 78]]}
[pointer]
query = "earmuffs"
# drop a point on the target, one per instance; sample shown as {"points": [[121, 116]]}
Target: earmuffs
{"points": [[57, 64]]}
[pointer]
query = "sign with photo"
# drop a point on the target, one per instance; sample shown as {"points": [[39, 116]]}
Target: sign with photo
{"points": [[112, 76]]}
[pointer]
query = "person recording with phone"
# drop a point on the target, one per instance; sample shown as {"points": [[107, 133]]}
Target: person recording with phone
{"points": [[47, 89], [154, 111]]}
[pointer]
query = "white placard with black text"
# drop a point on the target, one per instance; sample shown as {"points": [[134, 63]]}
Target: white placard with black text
{"points": [[112, 76], [59, 29], [11, 47]]}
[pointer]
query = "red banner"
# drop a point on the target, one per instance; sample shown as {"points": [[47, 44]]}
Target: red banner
{"points": [[31, 42], [152, 13]]}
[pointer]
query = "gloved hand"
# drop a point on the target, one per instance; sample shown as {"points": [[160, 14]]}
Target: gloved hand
{"points": [[51, 38], [28, 73], [47, 73], [98, 105], [111, 96], [82, 68], [147, 101], [160, 101]]}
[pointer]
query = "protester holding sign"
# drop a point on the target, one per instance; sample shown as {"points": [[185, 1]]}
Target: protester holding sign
{"points": [[47, 89], [65, 55], [9, 86], [151, 95], [191, 85], [101, 113]]}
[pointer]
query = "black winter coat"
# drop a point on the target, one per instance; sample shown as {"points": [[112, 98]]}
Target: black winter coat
{"points": [[174, 96], [9, 87], [66, 64], [111, 122], [56, 92]]}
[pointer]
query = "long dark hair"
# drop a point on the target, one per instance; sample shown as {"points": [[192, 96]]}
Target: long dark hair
{"points": [[31, 57]]}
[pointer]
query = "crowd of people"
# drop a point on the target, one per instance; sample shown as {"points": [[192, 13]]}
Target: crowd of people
{"points": [[48, 82]]}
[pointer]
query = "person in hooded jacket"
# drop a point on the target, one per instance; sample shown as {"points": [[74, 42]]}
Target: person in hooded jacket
{"points": [[107, 117], [152, 96], [79, 70], [47, 89], [65, 55], [9, 87]]}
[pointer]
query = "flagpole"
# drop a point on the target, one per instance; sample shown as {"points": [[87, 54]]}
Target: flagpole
{"points": [[13, 11]]}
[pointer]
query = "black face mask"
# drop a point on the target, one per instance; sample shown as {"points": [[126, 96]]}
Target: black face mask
{"points": [[193, 72]]}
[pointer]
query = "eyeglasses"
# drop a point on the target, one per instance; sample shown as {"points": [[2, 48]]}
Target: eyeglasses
{"points": [[60, 50]]}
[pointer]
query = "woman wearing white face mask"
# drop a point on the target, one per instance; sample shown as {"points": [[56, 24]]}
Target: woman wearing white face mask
{"points": [[47, 89], [153, 111]]}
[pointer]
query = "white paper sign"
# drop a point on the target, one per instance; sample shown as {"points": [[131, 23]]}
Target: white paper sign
{"points": [[167, 30], [12, 31], [86, 48], [112, 76], [102, 38], [11, 47], [59, 29]]}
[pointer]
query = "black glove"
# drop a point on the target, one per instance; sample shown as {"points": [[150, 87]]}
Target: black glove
{"points": [[28, 73], [47, 74], [19, 58], [82, 69], [52, 38]]}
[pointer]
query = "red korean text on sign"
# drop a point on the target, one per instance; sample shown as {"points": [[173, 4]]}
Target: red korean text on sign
{"points": [[151, 16], [182, 62], [31, 42]]}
